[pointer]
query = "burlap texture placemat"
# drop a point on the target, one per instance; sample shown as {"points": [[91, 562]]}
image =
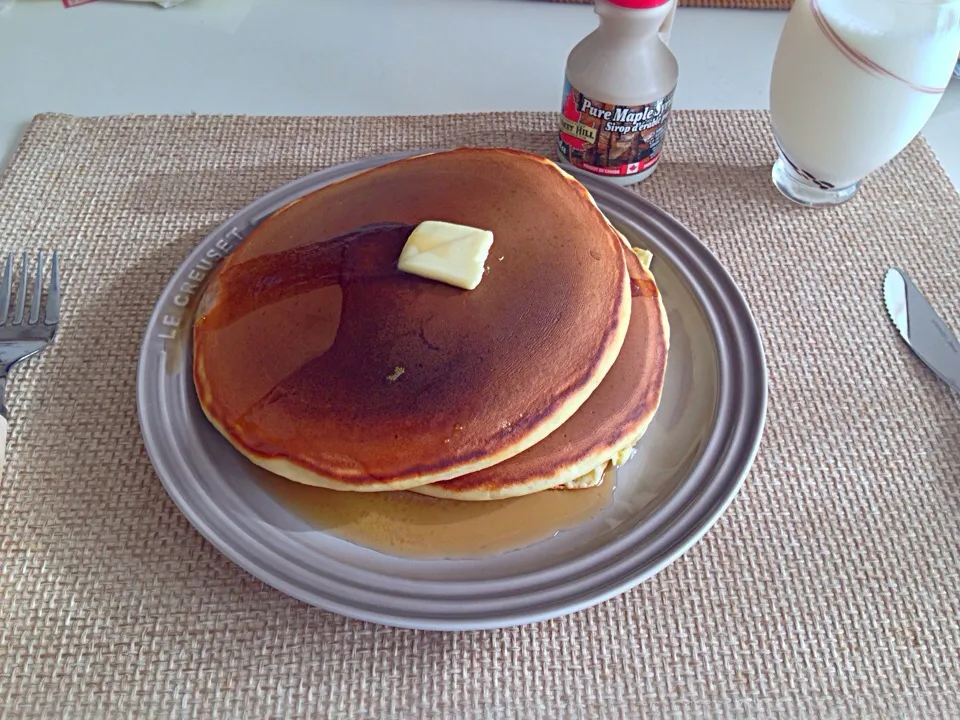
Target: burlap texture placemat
{"points": [[831, 587], [732, 4]]}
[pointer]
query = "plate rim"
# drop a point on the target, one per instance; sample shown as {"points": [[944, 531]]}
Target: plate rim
{"points": [[745, 439]]}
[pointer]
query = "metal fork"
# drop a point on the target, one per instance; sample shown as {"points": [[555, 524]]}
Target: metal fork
{"points": [[20, 337]]}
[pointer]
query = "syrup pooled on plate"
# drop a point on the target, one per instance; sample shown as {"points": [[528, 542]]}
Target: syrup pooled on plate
{"points": [[413, 525]]}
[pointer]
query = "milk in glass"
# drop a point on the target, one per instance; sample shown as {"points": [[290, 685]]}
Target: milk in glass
{"points": [[853, 83]]}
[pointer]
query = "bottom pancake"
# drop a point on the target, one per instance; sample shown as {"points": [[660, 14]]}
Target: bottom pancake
{"points": [[607, 425]]}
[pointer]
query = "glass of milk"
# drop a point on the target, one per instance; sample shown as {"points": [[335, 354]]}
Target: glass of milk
{"points": [[853, 83]]}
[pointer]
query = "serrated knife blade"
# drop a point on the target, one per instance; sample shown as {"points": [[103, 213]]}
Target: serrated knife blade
{"points": [[921, 327]]}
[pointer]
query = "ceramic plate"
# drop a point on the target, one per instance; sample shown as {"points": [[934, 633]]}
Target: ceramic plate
{"points": [[688, 468]]}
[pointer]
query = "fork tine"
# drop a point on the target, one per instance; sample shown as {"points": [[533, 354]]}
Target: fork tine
{"points": [[5, 289], [21, 294], [37, 291], [51, 314]]}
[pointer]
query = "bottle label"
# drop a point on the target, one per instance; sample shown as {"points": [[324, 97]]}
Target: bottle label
{"points": [[610, 139]]}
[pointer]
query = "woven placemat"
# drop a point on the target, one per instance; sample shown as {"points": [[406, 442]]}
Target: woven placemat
{"points": [[732, 4], [831, 587]]}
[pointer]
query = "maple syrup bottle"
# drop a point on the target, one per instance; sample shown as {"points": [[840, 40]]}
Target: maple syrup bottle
{"points": [[618, 91]]}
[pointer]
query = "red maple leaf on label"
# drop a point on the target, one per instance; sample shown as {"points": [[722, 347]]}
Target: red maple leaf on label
{"points": [[570, 112]]}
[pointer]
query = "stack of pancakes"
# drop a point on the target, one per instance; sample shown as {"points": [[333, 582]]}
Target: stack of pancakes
{"points": [[322, 362]]}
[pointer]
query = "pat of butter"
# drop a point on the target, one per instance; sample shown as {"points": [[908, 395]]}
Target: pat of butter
{"points": [[645, 256], [453, 254], [624, 455]]}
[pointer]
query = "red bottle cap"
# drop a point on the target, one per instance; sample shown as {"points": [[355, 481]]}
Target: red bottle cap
{"points": [[638, 4]]}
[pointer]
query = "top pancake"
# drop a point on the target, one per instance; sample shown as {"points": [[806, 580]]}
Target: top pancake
{"points": [[612, 419], [323, 363]]}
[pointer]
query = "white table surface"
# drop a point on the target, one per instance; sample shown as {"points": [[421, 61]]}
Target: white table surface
{"points": [[310, 57]]}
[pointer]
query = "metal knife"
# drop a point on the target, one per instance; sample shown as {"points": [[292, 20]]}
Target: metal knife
{"points": [[921, 327]]}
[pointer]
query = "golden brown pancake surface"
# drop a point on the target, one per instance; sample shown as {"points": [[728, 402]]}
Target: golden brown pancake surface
{"points": [[614, 417], [322, 362]]}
